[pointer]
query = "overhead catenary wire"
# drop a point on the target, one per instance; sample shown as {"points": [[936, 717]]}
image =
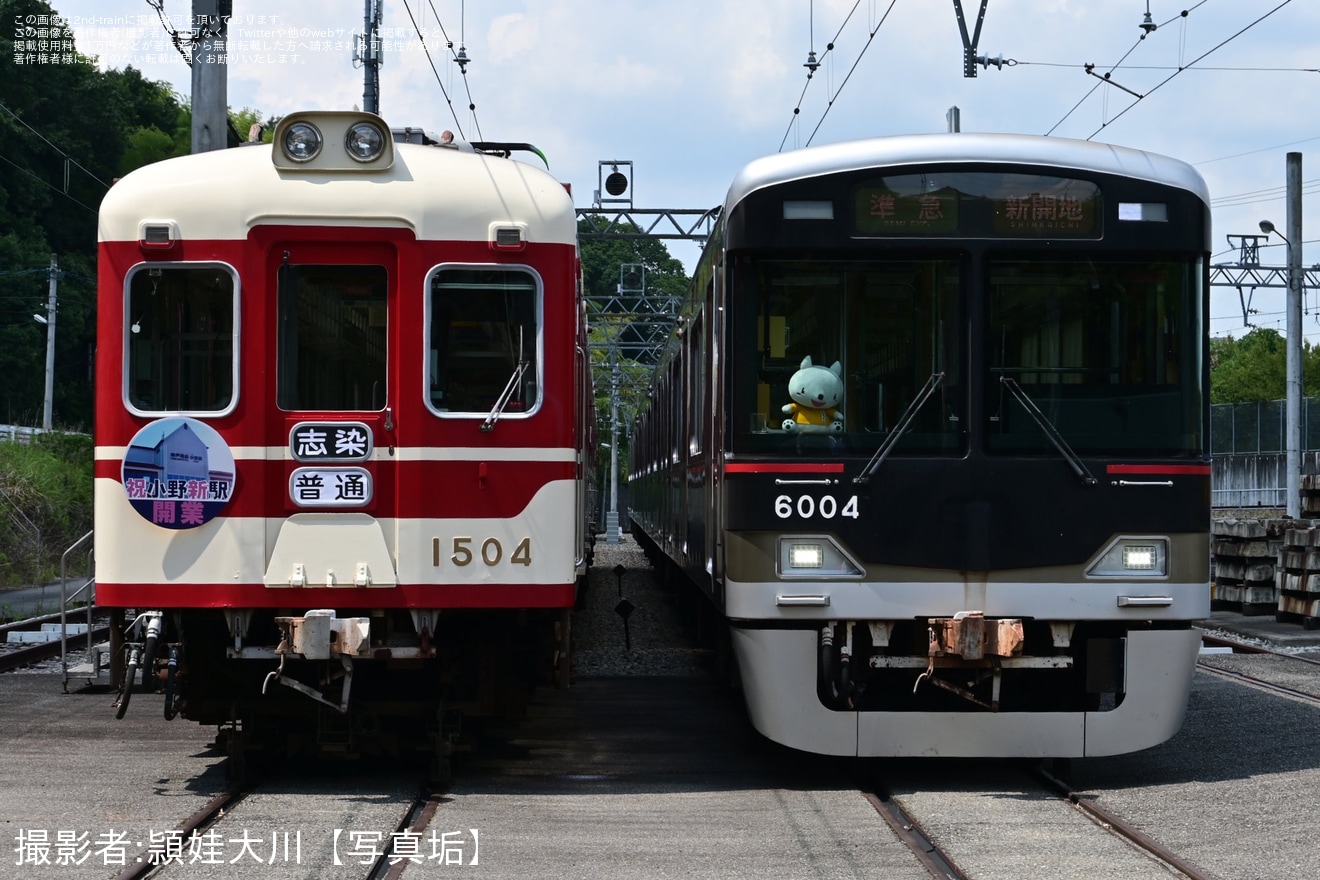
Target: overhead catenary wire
{"points": [[46, 184], [1119, 63], [811, 70], [195, 36], [1261, 150], [472, 107], [1189, 64], [460, 57], [47, 141], [1270, 194]]}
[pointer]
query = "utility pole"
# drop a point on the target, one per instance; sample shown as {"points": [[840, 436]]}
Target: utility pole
{"points": [[210, 65], [367, 53], [48, 407], [1294, 326]]}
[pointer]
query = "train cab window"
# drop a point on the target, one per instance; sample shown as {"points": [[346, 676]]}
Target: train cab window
{"points": [[892, 328], [1106, 350], [483, 340], [179, 337], [332, 335]]}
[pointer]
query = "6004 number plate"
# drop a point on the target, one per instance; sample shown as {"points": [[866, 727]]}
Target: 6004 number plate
{"points": [[809, 506]]}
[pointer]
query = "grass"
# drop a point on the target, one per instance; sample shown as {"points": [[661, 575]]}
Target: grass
{"points": [[45, 504]]}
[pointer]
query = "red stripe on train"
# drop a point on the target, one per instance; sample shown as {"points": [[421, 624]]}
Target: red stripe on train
{"points": [[782, 468], [474, 596], [1158, 469]]}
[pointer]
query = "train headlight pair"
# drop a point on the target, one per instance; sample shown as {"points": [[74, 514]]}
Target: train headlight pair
{"points": [[1133, 557], [364, 142], [814, 556]]}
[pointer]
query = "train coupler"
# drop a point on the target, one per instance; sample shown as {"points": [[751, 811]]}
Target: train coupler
{"points": [[319, 635], [976, 646], [346, 674]]}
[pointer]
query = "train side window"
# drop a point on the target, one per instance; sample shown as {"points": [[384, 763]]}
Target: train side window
{"points": [[483, 337], [179, 338], [332, 337]]}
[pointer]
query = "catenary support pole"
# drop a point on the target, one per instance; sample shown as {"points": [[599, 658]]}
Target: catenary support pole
{"points": [[1294, 327]]}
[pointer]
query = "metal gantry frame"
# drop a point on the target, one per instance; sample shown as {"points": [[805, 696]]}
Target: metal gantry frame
{"points": [[634, 325], [1247, 272]]}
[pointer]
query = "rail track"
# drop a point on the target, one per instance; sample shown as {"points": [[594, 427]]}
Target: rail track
{"points": [[206, 839], [1281, 662], [18, 656], [1041, 784]]}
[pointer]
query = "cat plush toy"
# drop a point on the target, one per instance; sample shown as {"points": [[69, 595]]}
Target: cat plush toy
{"points": [[816, 392]]}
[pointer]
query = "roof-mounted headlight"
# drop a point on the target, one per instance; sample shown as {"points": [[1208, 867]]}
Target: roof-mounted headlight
{"points": [[302, 141], [332, 142], [365, 142]]}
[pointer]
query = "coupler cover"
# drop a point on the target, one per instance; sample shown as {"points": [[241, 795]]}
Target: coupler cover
{"points": [[970, 636], [319, 635]]}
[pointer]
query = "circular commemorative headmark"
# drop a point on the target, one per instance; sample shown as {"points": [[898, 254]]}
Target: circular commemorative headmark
{"points": [[178, 473]]}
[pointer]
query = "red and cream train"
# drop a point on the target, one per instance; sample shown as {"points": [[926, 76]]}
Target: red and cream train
{"points": [[342, 433]]}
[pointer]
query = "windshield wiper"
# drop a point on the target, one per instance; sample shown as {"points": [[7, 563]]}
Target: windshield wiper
{"points": [[1050, 431], [892, 440], [503, 401]]}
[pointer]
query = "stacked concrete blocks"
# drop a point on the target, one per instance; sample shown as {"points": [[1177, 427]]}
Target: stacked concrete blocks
{"points": [[1298, 577], [1245, 556]]}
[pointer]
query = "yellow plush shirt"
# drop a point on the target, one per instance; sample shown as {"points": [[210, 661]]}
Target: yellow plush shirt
{"points": [[806, 415]]}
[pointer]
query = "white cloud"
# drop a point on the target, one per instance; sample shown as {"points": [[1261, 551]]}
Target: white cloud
{"points": [[692, 89]]}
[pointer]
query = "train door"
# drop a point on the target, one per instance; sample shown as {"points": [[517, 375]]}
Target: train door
{"points": [[335, 399], [713, 429]]}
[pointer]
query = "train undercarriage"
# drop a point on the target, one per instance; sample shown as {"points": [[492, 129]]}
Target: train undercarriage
{"points": [[971, 663], [389, 683]]}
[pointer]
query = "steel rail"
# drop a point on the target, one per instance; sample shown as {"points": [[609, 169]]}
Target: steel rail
{"points": [[203, 818], [1253, 681], [39, 651], [931, 857], [415, 821], [1116, 825]]}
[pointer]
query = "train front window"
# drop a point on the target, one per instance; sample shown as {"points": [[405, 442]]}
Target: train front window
{"points": [[179, 333], [483, 337], [1108, 350], [332, 335], [889, 326]]}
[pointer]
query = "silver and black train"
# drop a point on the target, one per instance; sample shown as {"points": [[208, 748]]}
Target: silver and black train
{"points": [[931, 435]]}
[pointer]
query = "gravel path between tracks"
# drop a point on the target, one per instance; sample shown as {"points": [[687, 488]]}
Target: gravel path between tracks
{"points": [[655, 641]]}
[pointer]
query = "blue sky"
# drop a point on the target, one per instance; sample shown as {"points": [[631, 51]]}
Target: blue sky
{"points": [[690, 91]]}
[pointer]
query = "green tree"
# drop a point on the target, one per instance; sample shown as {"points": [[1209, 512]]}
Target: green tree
{"points": [[1251, 368], [67, 131], [604, 252]]}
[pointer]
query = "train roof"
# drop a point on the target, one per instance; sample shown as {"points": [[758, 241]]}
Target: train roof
{"points": [[1063, 154], [438, 192]]}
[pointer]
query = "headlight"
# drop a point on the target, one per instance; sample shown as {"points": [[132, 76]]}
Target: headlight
{"points": [[302, 142], [805, 555], [365, 142], [814, 556], [1133, 557]]}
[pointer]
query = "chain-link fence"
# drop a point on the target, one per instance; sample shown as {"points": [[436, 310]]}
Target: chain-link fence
{"points": [[1258, 426], [1248, 441]]}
